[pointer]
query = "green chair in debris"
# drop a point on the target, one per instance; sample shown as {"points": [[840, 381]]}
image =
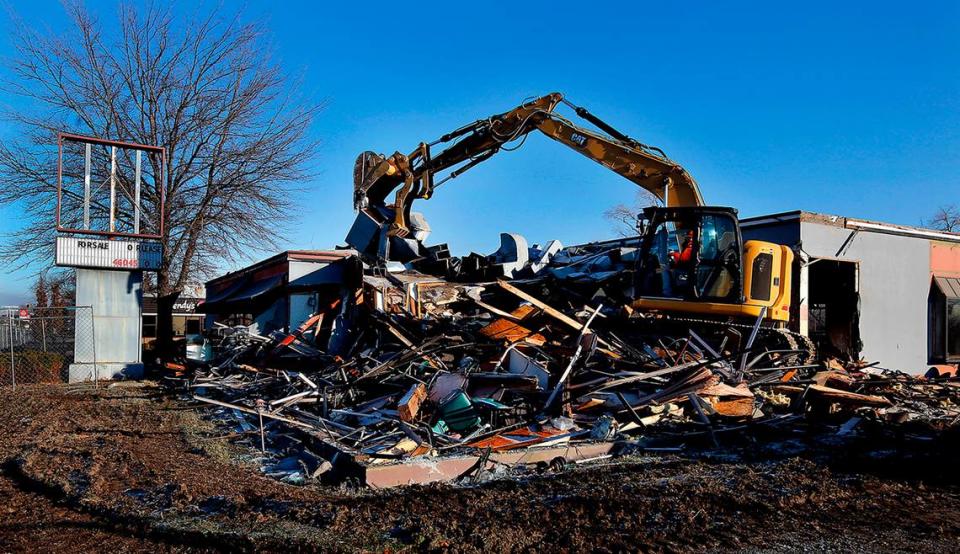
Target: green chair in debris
{"points": [[491, 410], [458, 412]]}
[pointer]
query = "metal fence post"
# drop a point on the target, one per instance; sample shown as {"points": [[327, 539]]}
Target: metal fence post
{"points": [[43, 346], [13, 371], [93, 334]]}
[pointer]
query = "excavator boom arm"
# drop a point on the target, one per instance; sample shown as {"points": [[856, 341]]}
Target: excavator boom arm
{"points": [[657, 174], [375, 176]]}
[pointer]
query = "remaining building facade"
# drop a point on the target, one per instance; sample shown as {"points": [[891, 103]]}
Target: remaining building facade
{"points": [[888, 293], [186, 319], [281, 292]]}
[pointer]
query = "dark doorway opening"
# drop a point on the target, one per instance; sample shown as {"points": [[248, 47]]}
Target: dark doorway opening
{"points": [[943, 311], [833, 313]]}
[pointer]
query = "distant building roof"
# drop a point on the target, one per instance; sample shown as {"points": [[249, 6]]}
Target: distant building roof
{"points": [[849, 223], [328, 256]]}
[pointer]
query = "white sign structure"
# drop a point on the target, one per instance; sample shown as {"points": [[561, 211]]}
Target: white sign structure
{"points": [[108, 254]]}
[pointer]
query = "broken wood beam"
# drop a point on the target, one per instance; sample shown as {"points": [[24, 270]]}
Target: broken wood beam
{"points": [[548, 309], [409, 405], [846, 397]]}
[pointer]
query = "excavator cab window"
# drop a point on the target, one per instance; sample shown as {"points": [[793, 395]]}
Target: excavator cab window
{"points": [[691, 255], [719, 259], [670, 259]]}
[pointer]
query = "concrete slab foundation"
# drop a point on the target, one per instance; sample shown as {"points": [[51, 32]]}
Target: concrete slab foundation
{"points": [[79, 373]]}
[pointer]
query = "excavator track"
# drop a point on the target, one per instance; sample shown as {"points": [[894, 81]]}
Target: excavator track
{"points": [[771, 337]]}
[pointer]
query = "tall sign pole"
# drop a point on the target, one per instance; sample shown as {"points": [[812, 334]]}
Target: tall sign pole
{"points": [[109, 224]]}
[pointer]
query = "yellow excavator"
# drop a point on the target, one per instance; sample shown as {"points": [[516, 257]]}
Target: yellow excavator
{"points": [[693, 260]]}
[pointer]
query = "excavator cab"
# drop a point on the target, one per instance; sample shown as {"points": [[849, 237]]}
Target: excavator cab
{"points": [[694, 260], [690, 253]]}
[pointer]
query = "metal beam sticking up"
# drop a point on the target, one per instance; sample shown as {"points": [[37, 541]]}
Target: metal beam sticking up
{"points": [[753, 336], [86, 187], [136, 197], [113, 189]]}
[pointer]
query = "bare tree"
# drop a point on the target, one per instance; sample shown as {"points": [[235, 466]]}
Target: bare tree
{"points": [[946, 218], [237, 137], [624, 217], [40, 292]]}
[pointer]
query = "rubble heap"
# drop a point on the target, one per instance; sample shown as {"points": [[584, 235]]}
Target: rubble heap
{"points": [[422, 379]]}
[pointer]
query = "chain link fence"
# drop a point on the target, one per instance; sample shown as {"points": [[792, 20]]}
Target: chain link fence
{"points": [[38, 345]]}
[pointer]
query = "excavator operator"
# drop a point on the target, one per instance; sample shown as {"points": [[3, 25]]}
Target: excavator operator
{"points": [[679, 274], [683, 257]]}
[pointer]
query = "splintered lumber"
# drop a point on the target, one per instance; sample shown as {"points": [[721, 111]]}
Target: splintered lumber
{"points": [[506, 330], [846, 397], [649, 375], [473, 293], [833, 379], [736, 407], [729, 401], [418, 371], [555, 313], [409, 405], [548, 309], [523, 311], [723, 389]]}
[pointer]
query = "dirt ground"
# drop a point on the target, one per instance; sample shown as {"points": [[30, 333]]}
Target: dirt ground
{"points": [[131, 467]]}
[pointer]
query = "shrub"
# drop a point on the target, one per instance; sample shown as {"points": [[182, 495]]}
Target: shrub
{"points": [[32, 366]]}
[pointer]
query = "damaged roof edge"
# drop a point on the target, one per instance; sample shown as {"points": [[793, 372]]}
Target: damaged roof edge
{"points": [[850, 223], [287, 256]]}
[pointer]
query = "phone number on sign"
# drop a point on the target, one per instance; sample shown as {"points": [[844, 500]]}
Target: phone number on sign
{"points": [[121, 262]]}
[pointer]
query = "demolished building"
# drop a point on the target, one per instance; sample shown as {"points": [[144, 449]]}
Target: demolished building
{"points": [[392, 376], [853, 280], [283, 291], [395, 361]]}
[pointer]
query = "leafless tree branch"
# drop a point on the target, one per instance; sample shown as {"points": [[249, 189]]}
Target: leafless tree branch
{"points": [[623, 218], [201, 85], [946, 218]]}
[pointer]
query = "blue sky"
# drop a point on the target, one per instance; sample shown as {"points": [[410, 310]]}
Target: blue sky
{"points": [[830, 107]]}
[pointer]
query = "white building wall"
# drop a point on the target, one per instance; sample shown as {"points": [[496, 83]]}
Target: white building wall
{"points": [[894, 284]]}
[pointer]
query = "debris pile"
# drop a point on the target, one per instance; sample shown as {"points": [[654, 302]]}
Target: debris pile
{"points": [[427, 380], [889, 403], [419, 366]]}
